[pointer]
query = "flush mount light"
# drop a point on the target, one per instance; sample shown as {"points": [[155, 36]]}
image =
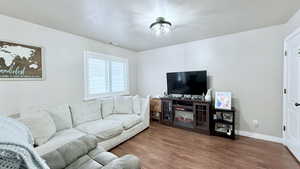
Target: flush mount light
{"points": [[161, 26]]}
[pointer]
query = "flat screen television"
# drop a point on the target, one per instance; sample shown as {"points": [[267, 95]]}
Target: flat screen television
{"points": [[189, 83]]}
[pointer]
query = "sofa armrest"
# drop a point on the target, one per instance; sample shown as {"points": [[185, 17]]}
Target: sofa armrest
{"points": [[124, 162], [145, 109]]}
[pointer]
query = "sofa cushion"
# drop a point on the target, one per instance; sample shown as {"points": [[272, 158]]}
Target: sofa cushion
{"points": [[123, 104], [86, 112], [61, 116], [107, 107], [102, 129], [84, 162], [128, 120], [125, 162], [70, 152], [60, 138], [41, 126], [105, 158]]}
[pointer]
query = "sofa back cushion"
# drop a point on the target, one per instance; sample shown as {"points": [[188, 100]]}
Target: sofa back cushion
{"points": [[107, 106], [86, 111], [123, 104], [41, 126], [61, 116]]}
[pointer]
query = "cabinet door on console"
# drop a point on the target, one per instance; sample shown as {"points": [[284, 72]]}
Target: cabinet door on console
{"points": [[201, 117], [167, 112]]}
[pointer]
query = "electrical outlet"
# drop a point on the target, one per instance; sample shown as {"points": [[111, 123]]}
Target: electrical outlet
{"points": [[255, 123]]}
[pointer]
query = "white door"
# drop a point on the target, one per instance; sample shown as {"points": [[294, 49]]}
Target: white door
{"points": [[292, 98]]}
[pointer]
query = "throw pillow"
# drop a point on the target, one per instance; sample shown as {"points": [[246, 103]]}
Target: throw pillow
{"points": [[86, 111], [61, 116], [107, 107], [123, 104], [41, 126]]}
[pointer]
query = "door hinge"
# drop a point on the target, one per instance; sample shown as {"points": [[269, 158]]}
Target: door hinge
{"points": [[284, 128], [284, 91], [285, 53]]}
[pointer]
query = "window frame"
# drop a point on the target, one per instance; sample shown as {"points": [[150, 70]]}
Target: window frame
{"points": [[109, 58]]}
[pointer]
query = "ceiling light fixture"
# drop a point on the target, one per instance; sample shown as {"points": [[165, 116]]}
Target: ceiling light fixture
{"points": [[161, 26]]}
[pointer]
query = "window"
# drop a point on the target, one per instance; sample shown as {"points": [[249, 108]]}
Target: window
{"points": [[105, 75]]}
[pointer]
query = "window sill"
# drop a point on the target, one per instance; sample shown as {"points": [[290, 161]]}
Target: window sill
{"points": [[106, 95]]}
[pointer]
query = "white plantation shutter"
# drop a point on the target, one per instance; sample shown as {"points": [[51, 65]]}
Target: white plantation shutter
{"points": [[105, 75], [97, 78], [118, 76]]}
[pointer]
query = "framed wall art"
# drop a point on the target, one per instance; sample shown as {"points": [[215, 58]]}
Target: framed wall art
{"points": [[20, 62], [223, 100]]}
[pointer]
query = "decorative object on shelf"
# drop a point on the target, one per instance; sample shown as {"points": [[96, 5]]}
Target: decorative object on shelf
{"points": [[223, 100], [20, 62], [223, 123], [227, 117], [208, 95], [223, 128], [165, 94], [160, 26]]}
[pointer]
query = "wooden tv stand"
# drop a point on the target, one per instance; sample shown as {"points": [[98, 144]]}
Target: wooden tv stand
{"points": [[178, 112]]}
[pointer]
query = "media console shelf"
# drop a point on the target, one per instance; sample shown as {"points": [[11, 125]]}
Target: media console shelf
{"points": [[190, 114], [223, 123]]}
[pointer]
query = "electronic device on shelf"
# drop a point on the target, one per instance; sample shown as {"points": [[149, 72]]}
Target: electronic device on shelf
{"points": [[187, 83]]}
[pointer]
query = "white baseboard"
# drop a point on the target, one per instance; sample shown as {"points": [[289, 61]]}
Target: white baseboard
{"points": [[260, 136]]}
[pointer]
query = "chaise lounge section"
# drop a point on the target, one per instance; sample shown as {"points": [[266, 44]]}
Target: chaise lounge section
{"points": [[110, 121], [84, 153]]}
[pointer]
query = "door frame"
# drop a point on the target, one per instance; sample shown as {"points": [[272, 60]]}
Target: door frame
{"points": [[285, 85]]}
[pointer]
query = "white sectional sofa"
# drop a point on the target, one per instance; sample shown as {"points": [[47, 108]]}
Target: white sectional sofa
{"points": [[111, 120]]}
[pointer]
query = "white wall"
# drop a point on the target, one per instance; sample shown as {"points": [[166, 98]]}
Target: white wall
{"points": [[63, 53], [293, 23], [249, 64]]}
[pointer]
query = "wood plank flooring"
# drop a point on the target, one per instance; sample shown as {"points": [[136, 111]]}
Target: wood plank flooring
{"points": [[162, 147]]}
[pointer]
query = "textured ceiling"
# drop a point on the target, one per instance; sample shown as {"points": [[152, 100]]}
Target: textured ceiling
{"points": [[126, 22]]}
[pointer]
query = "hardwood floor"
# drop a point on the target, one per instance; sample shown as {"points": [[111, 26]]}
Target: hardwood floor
{"points": [[162, 147]]}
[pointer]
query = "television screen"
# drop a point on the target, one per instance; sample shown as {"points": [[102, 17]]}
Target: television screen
{"points": [[193, 83]]}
